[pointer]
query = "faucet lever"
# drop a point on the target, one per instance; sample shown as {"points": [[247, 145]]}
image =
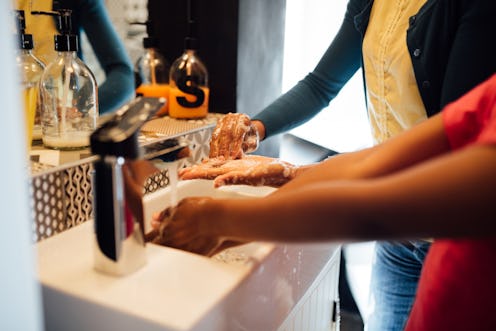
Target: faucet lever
{"points": [[169, 150]]}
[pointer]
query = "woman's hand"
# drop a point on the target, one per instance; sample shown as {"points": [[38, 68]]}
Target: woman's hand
{"points": [[252, 170], [233, 136], [186, 227]]}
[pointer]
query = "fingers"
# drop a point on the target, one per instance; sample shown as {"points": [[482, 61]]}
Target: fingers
{"points": [[209, 169], [241, 129], [253, 170], [178, 227], [251, 141], [258, 171], [201, 173], [214, 141], [233, 178], [185, 240], [232, 136], [226, 137], [150, 236], [229, 136], [220, 135], [156, 222], [158, 218]]}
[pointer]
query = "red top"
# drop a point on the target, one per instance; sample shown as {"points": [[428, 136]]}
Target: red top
{"points": [[457, 289], [472, 118]]}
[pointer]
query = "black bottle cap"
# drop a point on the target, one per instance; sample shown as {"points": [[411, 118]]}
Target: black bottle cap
{"points": [[66, 43], [26, 41], [150, 42], [190, 43]]}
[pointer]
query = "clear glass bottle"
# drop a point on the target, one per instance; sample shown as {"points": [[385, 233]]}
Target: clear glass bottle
{"points": [[189, 91], [69, 94], [153, 70], [31, 70]]}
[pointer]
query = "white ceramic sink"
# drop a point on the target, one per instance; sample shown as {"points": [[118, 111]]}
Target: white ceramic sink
{"points": [[251, 287], [157, 201]]}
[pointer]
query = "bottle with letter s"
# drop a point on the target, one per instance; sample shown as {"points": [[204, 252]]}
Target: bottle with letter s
{"points": [[152, 70], [189, 91]]}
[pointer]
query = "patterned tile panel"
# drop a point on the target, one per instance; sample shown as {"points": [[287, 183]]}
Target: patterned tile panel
{"points": [[78, 192], [48, 205]]}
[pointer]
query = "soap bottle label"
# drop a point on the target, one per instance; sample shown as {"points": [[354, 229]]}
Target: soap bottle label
{"points": [[188, 100]]}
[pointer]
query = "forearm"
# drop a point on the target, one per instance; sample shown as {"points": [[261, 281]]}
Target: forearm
{"points": [[424, 141], [313, 213], [118, 86], [341, 60], [447, 197], [117, 89]]}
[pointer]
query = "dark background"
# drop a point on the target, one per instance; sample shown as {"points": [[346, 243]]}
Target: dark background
{"points": [[241, 42]]}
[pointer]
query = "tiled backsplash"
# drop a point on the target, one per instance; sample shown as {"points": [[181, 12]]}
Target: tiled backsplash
{"points": [[61, 197]]}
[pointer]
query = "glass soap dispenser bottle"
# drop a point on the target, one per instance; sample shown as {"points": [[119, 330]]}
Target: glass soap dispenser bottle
{"points": [[152, 70], [69, 92], [189, 91], [31, 68]]}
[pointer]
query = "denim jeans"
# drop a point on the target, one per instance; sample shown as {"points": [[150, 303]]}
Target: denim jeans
{"points": [[395, 274]]}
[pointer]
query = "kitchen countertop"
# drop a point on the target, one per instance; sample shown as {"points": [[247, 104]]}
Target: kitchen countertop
{"points": [[176, 290], [168, 292]]}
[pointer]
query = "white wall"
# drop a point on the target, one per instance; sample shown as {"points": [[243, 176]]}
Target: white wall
{"points": [[310, 27], [20, 305], [343, 126]]}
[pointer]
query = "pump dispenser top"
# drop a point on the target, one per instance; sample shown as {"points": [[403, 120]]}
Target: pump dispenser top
{"points": [[189, 91], [31, 70], [152, 70], [66, 41], [69, 92], [25, 40]]}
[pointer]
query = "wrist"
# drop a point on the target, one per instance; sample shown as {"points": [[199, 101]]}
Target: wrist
{"points": [[212, 221], [301, 169], [260, 129]]}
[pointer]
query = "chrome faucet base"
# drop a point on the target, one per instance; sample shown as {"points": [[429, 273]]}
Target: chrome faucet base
{"points": [[133, 256], [118, 210]]}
